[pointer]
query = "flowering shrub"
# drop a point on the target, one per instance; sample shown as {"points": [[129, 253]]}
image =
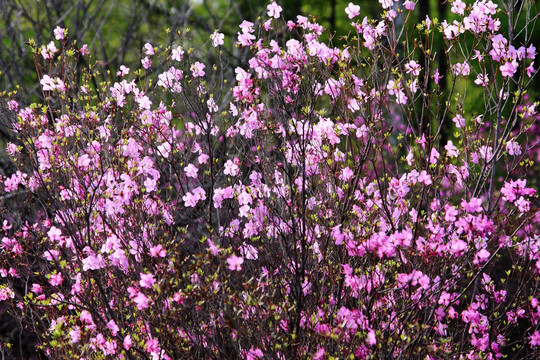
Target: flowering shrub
{"points": [[315, 210]]}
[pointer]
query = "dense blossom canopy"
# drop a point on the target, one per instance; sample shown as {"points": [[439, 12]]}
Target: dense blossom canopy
{"points": [[332, 202]]}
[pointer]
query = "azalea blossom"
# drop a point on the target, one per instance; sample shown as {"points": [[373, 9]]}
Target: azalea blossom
{"points": [[235, 262], [59, 33], [352, 10], [274, 10], [217, 39]]}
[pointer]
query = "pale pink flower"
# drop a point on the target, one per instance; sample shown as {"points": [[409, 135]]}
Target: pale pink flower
{"points": [[409, 5], [197, 69], [434, 156], [346, 174], [191, 171], [458, 7], [352, 10], [59, 33], [146, 62], [231, 168], [386, 3], [217, 39], [148, 49], [75, 334], [459, 121], [481, 80], [274, 10], [177, 54], [513, 148], [451, 150]]}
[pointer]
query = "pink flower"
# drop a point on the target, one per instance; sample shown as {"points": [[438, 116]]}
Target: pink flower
{"points": [[535, 339], [197, 69], [346, 174], [231, 168], [425, 178], [146, 62], [463, 69], [84, 50], [481, 257], [177, 54], [410, 158], [111, 325], [217, 39], [75, 334], [371, 339], [142, 301], [509, 69], [147, 280], [434, 156], [409, 5], [274, 10], [148, 49], [56, 280], [513, 148], [451, 150], [254, 353], [530, 69], [386, 3], [436, 76], [352, 10], [127, 342], [59, 33], [191, 171], [158, 250], [458, 7], [319, 355], [245, 39], [36, 289], [48, 52], [235, 262], [246, 26], [412, 67], [459, 121], [192, 198], [481, 80], [123, 71]]}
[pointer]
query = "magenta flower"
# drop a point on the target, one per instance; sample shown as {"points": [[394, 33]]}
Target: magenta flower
{"points": [[535, 339], [56, 280]]}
